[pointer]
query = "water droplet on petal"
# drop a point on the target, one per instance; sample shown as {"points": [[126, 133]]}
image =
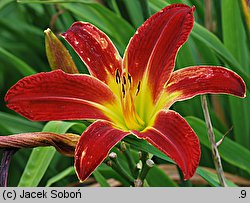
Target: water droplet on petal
{"points": [[104, 43]]}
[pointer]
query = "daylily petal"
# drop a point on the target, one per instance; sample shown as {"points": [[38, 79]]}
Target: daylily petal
{"points": [[57, 54], [64, 143], [153, 48], [94, 145], [189, 82], [95, 49], [171, 134], [60, 96]]}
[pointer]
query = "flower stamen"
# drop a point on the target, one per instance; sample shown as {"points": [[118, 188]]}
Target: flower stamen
{"points": [[127, 96], [123, 91], [117, 77], [138, 88], [129, 79], [124, 80]]}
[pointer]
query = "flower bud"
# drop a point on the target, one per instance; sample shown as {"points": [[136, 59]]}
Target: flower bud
{"points": [[57, 54], [64, 143]]}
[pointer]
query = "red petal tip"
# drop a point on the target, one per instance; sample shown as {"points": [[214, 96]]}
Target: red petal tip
{"points": [[176, 139], [57, 95], [193, 9], [95, 49], [62, 34], [165, 32], [94, 146]]}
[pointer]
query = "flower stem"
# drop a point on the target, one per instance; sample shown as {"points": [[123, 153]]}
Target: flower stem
{"points": [[131, 162], [211, 137], [4, 167], [116, 166], [144, 156], [147, 164]]}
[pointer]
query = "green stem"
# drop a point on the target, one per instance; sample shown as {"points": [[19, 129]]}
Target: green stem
{"points": [[144, 156], [116, 166], [145, 184], [131, 162], [147, 164], [145, 169]]}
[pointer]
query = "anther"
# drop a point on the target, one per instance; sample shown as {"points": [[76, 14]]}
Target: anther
{"points": [[117, 77], [129, 79], [138, 88], [124, 80], [123, 91]]}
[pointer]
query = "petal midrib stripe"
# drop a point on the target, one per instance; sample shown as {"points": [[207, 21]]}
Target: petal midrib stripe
{"points": [[170, 141], [104, 109]]}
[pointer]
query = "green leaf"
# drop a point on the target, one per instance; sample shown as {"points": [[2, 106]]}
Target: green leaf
{"points": [[2, 79], [156, 5], [145, 146], [206, 176], [86, 10], [186, 55], [156, 177], [41, 157], [16, 124], [112, 4], [20, 65], [208, 38], [145, 9], [52, 1], [109, 22], [229, 150], [67, 172], [234, 37], [212, 178], [100, 179], [13, 35], [131, 10], [108, 172], [4, 3], [234, 34], [239, 109]]}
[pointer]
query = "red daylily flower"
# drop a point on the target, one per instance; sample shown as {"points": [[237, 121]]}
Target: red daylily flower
{"points": [[127, 96]]}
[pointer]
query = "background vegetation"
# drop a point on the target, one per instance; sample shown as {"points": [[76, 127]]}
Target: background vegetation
{"points": [[221, 36]]}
